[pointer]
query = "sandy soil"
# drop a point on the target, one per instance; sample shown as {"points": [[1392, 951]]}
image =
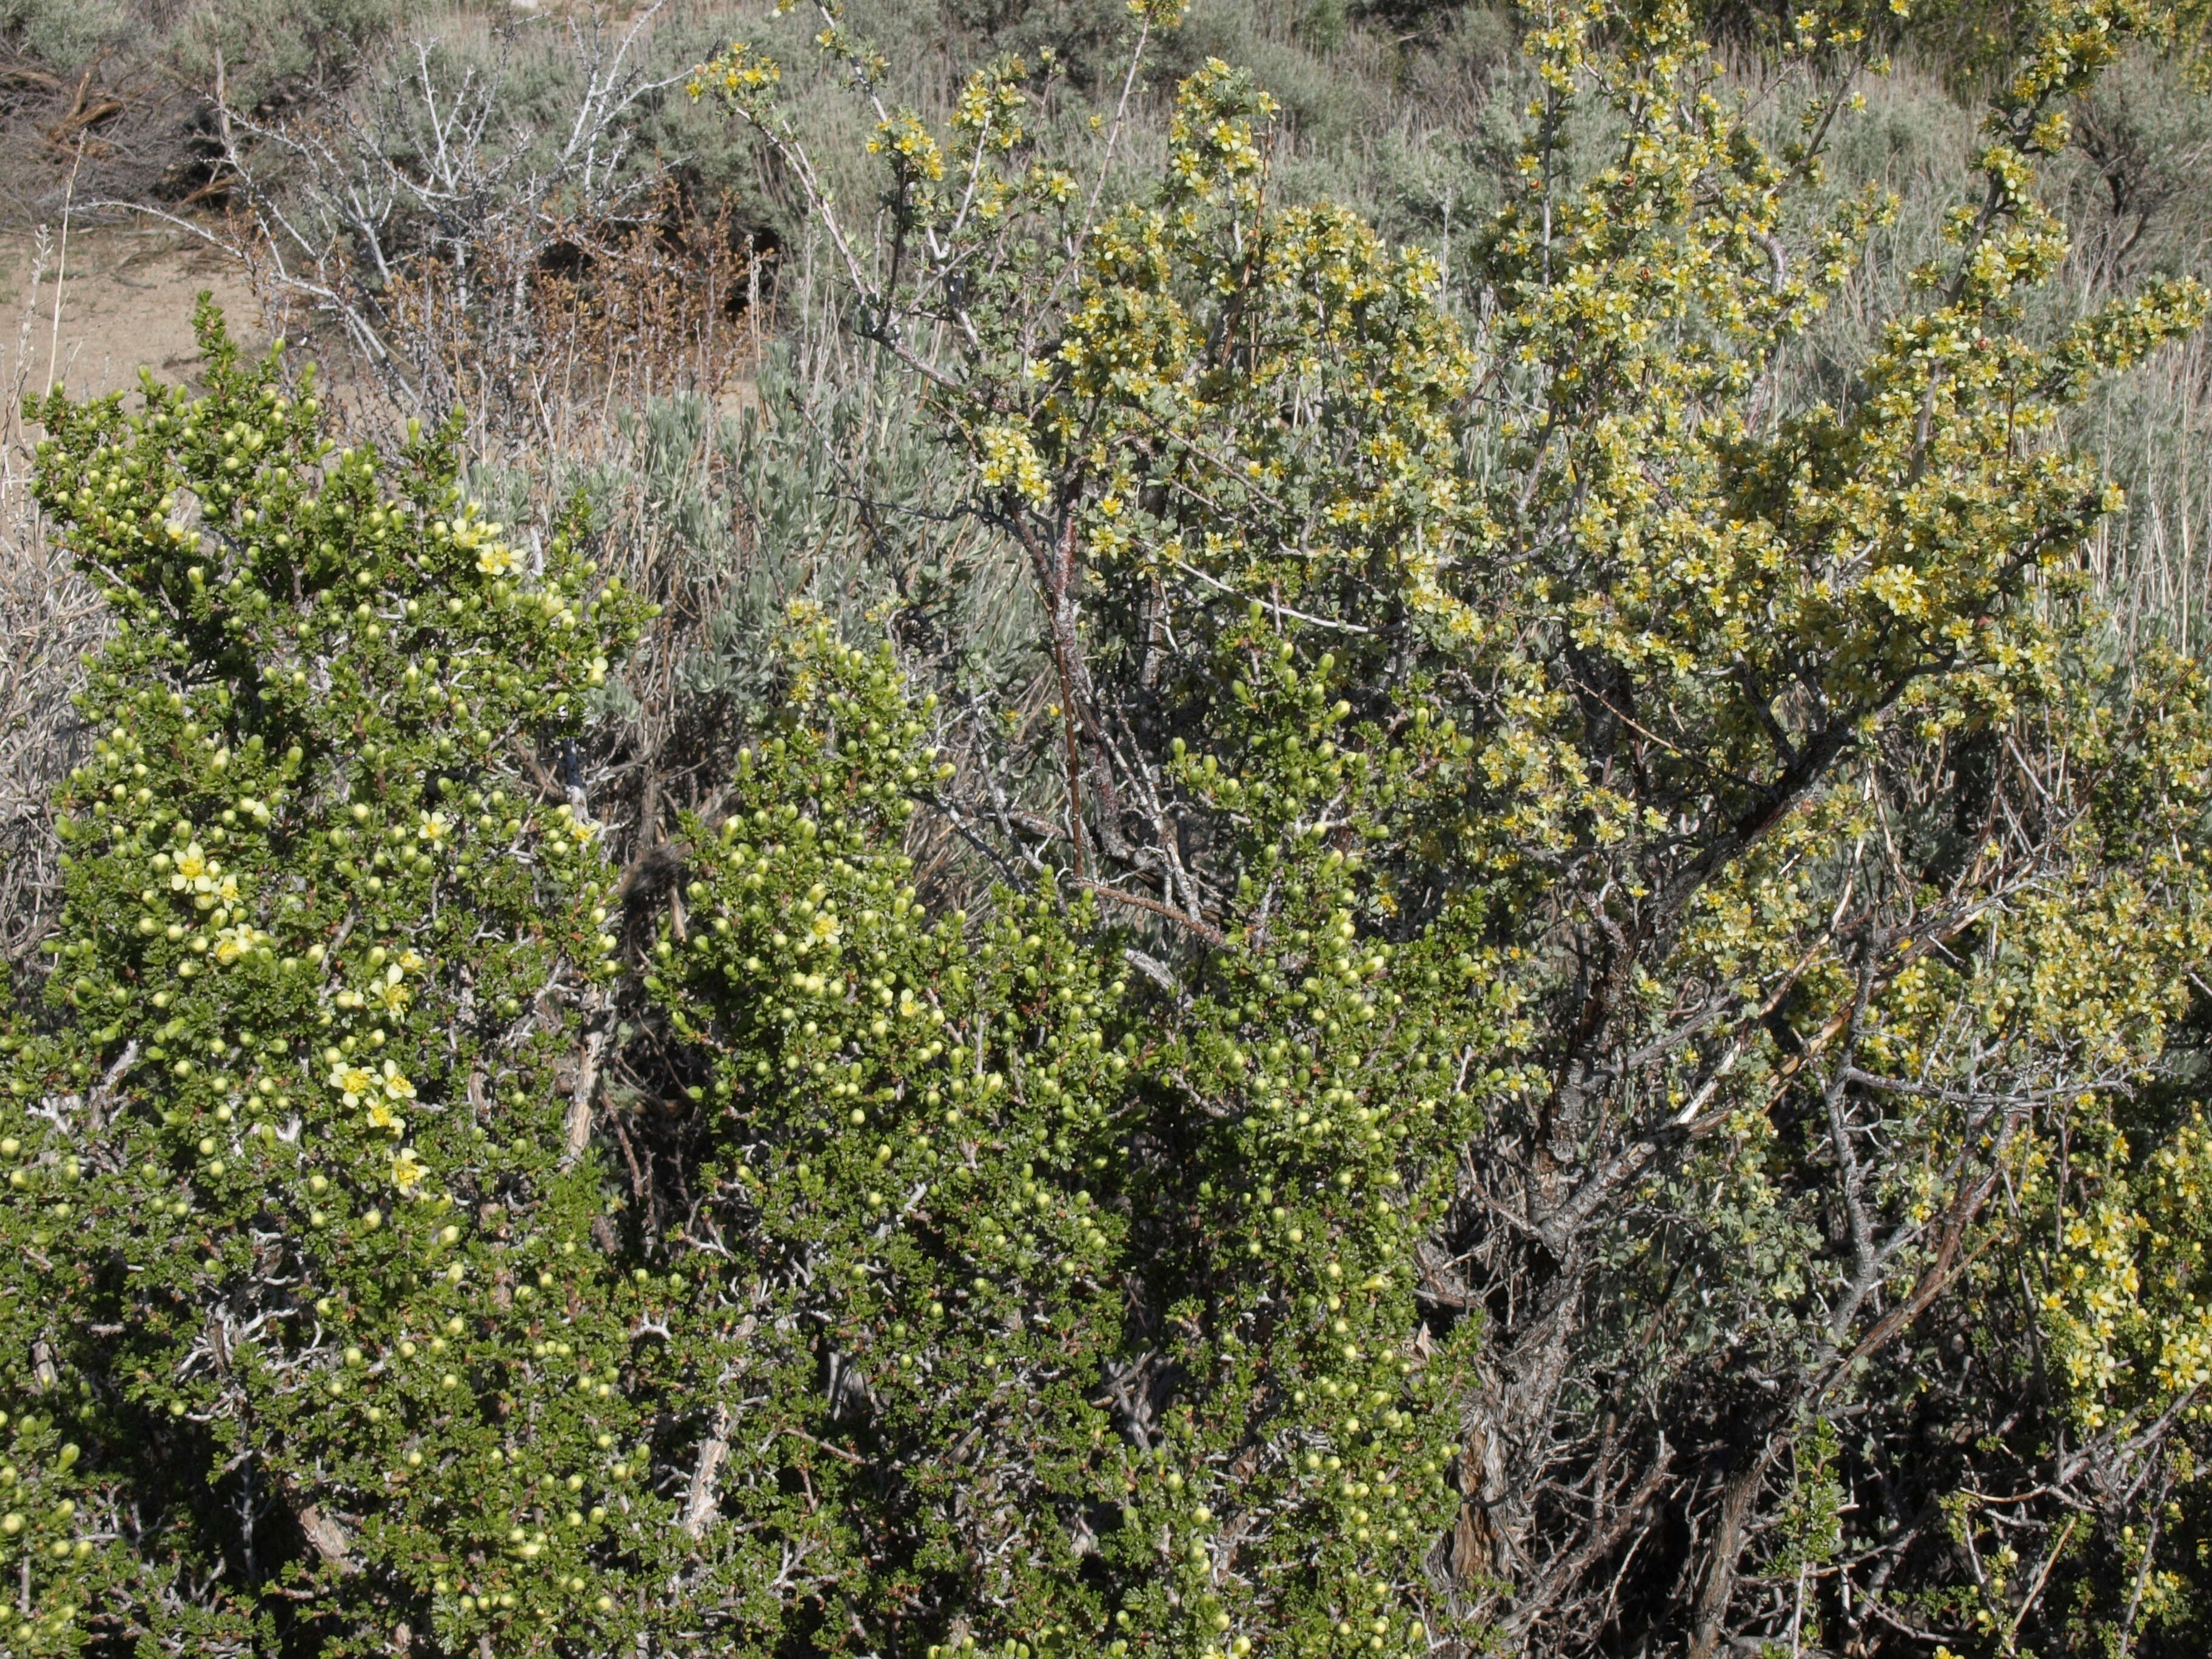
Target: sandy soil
{"points": [[126, 300]]}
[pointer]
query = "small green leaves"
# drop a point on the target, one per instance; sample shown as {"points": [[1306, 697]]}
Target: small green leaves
{"points": [[310, 895]]}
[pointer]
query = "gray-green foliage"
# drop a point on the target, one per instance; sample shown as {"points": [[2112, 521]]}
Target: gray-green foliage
{"points": [[60, 32], [823, 486], [264, 47], [260, 50]]}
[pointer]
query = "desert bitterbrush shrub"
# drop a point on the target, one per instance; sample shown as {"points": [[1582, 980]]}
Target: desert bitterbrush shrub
{"points": [[1747, 761], [330, 1324], [934, 1172], [910, 1164], [305, 1243]]}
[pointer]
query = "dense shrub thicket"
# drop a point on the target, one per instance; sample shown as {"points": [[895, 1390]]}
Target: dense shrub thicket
{"points": [[1569, 1031]]}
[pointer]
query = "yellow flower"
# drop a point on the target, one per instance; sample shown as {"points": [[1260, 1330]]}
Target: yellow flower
{"points": [[353, 1082], [395, 1085], [904, 135], [496, 559], [434, 828], [192, 869], [231, 944], [381, 1116], [407, 1171]]}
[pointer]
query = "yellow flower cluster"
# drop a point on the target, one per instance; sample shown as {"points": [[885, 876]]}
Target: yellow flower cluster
{"points": [[1010, 461]]}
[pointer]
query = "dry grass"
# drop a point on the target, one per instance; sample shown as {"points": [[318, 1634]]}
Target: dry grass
{"points": [[544, 339], [2152, 564], [49, 617]]}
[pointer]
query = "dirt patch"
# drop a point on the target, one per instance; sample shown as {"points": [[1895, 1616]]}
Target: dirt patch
{"points": [[126, 299]]}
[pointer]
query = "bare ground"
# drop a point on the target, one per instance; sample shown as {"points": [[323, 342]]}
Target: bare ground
{"points": [[126, 300]]}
